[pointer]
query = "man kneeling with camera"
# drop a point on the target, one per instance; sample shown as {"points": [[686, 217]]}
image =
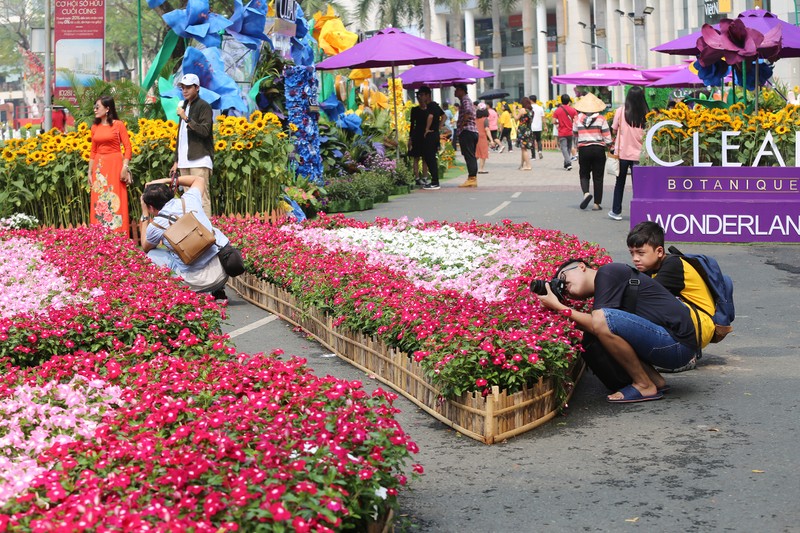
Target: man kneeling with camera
{"points": [[636, 320]]}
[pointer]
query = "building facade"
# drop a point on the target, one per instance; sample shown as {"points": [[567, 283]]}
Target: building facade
{"points": [[572, 35]]}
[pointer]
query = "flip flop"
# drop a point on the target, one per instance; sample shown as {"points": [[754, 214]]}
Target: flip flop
{"points": [[665, 389], [586, 200], [631, 394]]}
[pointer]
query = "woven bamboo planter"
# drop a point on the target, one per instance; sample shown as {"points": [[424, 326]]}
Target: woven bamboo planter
{"points": [[491, 419]]}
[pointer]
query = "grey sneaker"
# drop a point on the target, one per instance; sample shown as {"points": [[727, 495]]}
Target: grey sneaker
{"points": [[615, 216], [541, 156], [432, 187], [688, 366]]}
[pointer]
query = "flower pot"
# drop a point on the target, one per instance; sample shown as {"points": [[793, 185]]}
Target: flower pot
{"points": [[364, 204], [381, 199], [400, 189]]}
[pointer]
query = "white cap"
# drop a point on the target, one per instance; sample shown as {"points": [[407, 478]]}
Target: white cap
{"points": [[189, 79]]}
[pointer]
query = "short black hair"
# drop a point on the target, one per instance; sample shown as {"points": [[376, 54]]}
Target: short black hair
{"points": [[157, 195], [424, 90], [646, 232], [462, 86], [568, 262], [565, 99]]}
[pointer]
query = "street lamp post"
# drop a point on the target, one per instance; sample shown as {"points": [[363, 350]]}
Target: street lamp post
{"points": [[47, 121], [639, 36], [603, 48]]}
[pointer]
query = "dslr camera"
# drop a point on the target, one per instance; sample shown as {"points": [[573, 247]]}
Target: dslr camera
{"points": [[539, 286]]}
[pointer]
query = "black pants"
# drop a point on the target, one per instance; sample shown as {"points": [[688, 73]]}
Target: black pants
{"points": [[507, 136], [536, 143], [592, 161], [430, 149], [468, 141]]}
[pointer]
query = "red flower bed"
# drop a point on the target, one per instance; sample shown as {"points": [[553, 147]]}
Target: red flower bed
{"points": [[204, 439], [464, 340]]}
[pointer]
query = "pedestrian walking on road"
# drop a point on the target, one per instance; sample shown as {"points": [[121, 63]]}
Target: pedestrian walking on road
{"points": [[628, 128], [484, 137], [524, 135], [537, 125], [565, 116], [506, 122], [593, 137], [467, 133]]}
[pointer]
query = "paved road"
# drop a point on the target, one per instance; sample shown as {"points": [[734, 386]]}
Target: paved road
{"points": [[720, 453]]}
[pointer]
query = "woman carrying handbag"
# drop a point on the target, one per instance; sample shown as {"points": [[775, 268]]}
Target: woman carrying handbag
{"points": [[628, 128]]}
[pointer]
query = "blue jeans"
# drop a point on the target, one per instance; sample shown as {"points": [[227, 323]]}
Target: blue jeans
{"points": [[651, 342]]}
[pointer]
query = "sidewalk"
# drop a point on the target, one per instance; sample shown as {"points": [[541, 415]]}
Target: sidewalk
{"points": [[718, 453]]}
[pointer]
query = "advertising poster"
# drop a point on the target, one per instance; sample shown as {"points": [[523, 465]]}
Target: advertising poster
{"points": [[79, 44]]}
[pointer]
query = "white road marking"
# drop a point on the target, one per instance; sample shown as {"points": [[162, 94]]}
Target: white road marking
{"points": [[516, 195], [255, 325], [497, 209]]}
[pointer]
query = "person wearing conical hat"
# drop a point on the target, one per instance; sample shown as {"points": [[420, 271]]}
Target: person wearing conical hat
{"points": [[593, 137]]}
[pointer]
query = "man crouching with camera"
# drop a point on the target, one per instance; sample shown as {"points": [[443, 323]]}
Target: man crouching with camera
{"points": [[636, 320]]}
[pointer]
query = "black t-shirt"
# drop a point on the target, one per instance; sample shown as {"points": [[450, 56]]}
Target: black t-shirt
{"points": [[434, 109], [418, 117], [654, 302]]}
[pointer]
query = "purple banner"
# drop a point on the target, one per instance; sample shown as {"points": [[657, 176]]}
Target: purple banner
{"points": [[719, 204]]}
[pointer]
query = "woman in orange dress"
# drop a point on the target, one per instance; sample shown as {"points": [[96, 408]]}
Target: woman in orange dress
{"points": [[484, 137], [108, 168]]}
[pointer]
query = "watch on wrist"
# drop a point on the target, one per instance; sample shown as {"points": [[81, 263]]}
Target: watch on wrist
{"points": [[144, 218]]}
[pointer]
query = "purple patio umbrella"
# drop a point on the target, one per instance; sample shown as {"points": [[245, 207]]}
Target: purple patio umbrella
{"points": [[756, 19], [438, 84], [680, 78], [444, 72], [392, 47], [602, 77]]}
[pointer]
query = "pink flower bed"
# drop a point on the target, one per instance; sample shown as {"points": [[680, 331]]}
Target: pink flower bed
{"points": [[127, 413], [453, 295]]}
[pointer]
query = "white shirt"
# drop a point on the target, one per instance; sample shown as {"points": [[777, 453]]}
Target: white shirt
{"points": [[537, 114], [183, 149]]}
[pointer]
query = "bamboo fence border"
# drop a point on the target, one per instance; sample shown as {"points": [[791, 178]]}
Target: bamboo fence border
{"points": [[492, 419]]}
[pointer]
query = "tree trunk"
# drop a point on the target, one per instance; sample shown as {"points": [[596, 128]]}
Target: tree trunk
{"points": [[427, 17], [497, 44], [457, 22]]}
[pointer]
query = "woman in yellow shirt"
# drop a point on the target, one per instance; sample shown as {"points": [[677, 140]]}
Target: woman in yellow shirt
{"points": [[506, 121]]}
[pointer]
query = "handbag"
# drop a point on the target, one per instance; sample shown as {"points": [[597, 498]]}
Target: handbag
{"points": [[612, 165], [188, 237], [231, 259]]}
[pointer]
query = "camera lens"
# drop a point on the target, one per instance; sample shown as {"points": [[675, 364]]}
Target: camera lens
{"points": [[539, 287]]}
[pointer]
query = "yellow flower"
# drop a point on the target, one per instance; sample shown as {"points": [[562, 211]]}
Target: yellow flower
{"points": [[220, 145], [255, 115], [292, 127], [238, 145], [781, 130]]}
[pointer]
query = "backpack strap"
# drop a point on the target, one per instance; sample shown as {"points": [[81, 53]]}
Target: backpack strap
{"points": [[631, 294]]}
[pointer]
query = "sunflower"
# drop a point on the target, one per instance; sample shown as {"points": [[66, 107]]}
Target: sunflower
{"points": [[220, 145], [238, 145], [9, 155], [781, 130]]}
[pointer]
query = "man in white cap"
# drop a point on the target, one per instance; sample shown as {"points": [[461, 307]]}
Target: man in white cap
{"points": [[195, 143]]}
